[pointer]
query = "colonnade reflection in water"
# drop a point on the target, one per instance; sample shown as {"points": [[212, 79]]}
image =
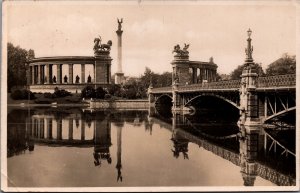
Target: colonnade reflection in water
{"points": [[93, 129]]}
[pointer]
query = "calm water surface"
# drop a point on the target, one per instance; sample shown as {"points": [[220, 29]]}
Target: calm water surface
{"points": [[82, 148]]}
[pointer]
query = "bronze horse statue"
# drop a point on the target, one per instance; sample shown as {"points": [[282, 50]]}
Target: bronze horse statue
{"points": [[101, 47]]}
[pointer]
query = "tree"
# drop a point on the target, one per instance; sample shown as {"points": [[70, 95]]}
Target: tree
{"points": [[100, 93], [16, 66], [236, 73], [284, 65]]}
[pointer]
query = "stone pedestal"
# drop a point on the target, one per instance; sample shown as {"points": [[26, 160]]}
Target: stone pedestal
{"points": [[102, 67]]}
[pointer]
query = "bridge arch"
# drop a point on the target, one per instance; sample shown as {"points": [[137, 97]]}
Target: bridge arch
{"points": [[213, 95], [279, 113], [161, 96]]}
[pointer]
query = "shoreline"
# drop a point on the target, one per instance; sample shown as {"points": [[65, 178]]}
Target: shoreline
{"points": [[93, 104]]}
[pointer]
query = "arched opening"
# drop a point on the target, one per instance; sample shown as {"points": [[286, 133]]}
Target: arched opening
{"points": [[213, 109], [283, 119], [163, 106]]}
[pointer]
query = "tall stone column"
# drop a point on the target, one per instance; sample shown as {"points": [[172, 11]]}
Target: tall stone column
{"points": [[119, 76], [82, 73], [70, 73], [119, 153]]}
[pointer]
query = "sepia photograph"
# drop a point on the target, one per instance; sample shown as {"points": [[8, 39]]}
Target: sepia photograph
{"points": [[149, 96]]}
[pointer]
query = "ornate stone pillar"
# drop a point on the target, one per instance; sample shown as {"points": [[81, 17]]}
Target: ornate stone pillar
{"points": [[82, 73], [70, 73], [248, 95]]}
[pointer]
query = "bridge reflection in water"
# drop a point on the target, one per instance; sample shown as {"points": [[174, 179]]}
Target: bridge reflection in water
{"points": [[243, 147], [90, 129]]}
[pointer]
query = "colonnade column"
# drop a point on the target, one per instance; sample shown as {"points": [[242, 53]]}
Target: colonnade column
{"points": [[194, 75], [83, 73], [50, 73], [59, 74], [70, 128], [39, 74], [47, 77], [59, 129], [71, 73], [49, 128], [32, 74], [82, 130]]}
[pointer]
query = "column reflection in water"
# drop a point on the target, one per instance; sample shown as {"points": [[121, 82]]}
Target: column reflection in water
{"points": [[102, 141], [119, 153], [249, 147], [180, 144]]}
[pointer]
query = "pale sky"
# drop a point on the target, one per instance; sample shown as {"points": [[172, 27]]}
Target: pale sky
{"points": [[151, 30]]}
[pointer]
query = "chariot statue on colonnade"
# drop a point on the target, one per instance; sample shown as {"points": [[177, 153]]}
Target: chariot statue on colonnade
{"points": [[181, 52], [98, 46]]}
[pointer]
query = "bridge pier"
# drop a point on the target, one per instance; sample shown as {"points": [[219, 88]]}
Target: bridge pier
{"points": [[249, 106]]}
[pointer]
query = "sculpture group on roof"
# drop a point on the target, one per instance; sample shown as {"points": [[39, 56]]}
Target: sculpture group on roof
{"points": [[98, 46], [181, 52]]}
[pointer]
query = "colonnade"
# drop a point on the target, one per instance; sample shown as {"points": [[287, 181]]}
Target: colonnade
{"points": [[200, 75], [43, 74], [50, 128]]}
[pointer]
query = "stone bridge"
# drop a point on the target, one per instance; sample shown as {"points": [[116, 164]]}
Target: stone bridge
{"points": [[258, 99]]}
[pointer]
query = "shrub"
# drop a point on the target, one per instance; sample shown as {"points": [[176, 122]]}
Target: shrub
{"points": [[43, 101], [48, 95], [61, 93], [22, 95], [100, 93], [88, 92], [107, 96]]}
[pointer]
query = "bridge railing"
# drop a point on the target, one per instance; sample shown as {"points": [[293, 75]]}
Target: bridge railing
{"points": [[277, 81], [162, 89], [228, 84], [286, 80]]}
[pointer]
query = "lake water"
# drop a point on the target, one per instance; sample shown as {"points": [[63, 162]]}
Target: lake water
{"points": [[73, 147]]}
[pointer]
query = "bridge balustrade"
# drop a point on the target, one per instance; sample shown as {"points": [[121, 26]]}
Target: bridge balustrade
{"points": [[277, 81], [228, 84], [162, 89]]}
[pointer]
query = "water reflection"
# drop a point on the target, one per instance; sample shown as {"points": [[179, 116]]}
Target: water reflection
{"points": [[78, 128]]}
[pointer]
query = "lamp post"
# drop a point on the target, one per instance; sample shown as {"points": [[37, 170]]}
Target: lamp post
{"points": [[249, 48]]}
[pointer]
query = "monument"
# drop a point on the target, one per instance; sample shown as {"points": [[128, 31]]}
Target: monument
{"points": [[119, 76], [46, 73]]}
